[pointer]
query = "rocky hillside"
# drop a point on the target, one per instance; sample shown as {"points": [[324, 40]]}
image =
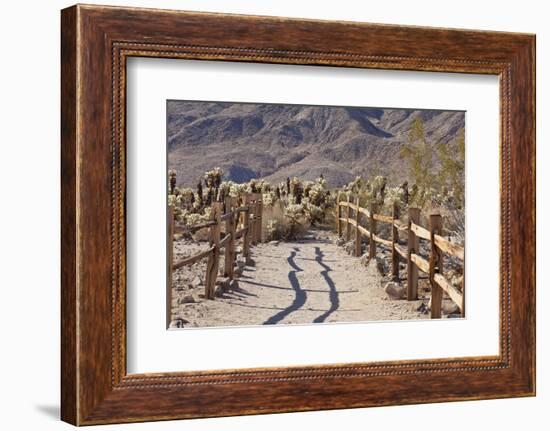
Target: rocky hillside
{"points": [[279, 141]]}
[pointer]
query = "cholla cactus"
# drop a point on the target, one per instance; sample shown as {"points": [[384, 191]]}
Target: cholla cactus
{"points": [[236, 190], [200, 195], [312, 212], [394, 195], [355, 186], [318, 193], [269, 198], [172, 181], [264, 186], [378, 187], [213, 178], [422, 196], [296, 189], [225, 190], [372, 191], [293, 215], [193, 218], [173, 201], [186, 193]]}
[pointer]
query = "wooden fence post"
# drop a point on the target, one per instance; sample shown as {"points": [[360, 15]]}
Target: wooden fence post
{"points": [[170, 262], [214, 257], [372, 230], [436, 265], [246, 227], [338, 222], [348, 225], [230, 245], [394, 241], [413, 246], [260, 216], [256, 221], [357, 232], [256, 225], [252, 215]]}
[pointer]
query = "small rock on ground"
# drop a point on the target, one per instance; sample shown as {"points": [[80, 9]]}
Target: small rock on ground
{"points": [[187, 299], [178, 323], [394, 290], [449, 307], [423, 308]]}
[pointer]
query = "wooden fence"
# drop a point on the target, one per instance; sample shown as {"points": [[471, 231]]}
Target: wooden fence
{"points": [[349, 217], [239, 218]]}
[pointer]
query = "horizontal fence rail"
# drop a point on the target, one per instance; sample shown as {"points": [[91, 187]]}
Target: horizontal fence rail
{"points": [[349, 218]]}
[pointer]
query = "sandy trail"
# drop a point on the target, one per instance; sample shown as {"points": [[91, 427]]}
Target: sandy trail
{"points": [[307, 281]]}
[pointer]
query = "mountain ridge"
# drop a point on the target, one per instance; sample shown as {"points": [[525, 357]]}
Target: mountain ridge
{"points": [[273, 141]]}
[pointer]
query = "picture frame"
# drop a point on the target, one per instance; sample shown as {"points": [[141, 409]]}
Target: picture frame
{"points": [[96, 42]]}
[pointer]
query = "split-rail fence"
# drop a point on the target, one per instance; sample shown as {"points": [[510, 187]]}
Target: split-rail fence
{"points": [[240, 218], [349, 219]]}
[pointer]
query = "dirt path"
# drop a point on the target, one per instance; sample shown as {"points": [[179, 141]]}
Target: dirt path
{"points": [[308, 281]]}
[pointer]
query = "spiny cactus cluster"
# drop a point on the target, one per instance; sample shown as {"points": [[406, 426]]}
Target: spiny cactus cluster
{"points": [[302, 201], [307, 203]]}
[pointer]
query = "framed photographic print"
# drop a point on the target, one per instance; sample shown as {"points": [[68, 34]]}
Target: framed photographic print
{"points": [[265, 214], [284, 170]]}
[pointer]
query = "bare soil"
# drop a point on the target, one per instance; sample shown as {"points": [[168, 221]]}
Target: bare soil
{"points": [[312, 280]]}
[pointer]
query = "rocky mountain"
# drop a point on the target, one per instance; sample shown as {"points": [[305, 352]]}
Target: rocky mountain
{"points": [[275, 141]]}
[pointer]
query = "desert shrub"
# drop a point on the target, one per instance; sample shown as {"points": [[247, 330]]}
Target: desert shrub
{"points": [[275, 230], [269, 198], [292, 206], [294, 215], [274, 222], [316, 200], [313, 213], [451, 174], [420, 156], [213, 178], [436, 170]]}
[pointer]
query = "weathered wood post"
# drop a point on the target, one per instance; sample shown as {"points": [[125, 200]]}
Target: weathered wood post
{"points": [[252, 215], [394, 241], [256, 219], [413, 246], [338, 222], [348, 218], [170, 261], [436, 265], [256, 227], [372, 230], [357, 232], [246, 227], [260, 216], [230, 245], [214, 257]]}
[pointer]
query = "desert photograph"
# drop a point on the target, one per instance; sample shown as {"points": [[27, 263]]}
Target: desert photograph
{"points": [[285, 214]]}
